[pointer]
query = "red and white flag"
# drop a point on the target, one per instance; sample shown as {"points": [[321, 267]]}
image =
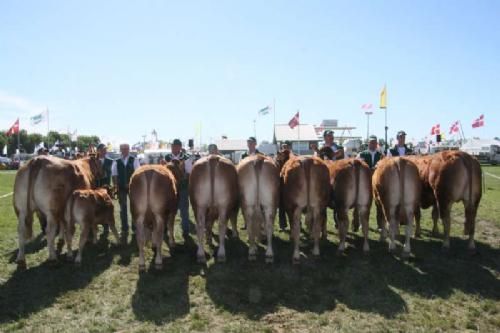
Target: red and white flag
{"points": [[436, 129], [454, 127], [478, 122], [14, 129], [294, 121], [367, 106]]}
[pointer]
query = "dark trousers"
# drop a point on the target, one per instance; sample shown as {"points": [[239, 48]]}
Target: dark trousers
{"points": [[184, 208], [282, 217], [122, 199]]}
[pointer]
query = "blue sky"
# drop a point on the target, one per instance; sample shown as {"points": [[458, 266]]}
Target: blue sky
{"points": [[121, 69]]}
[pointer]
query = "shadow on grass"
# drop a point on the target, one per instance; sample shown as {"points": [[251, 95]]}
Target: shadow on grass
{"points": [[33, 246], [316, 285], [36, 288], [162, 296], [367, 283]]}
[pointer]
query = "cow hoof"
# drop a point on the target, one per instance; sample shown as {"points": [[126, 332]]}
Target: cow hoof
{"points": [[392, 251], [445, 250], [405, 254], [158, 267], [295, 261], [435, 233], [142, 268], [201, 260], [21, 265], [269, 259], [418, 235], [472, 252], [366, 252], [340, 253], [252, 257], [78, 263], [221, 259]]}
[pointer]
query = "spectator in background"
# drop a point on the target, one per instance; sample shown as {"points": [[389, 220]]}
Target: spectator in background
{"points": [[400, 149], [338, 151], [179, 154], [252, 150], [121, 171], [372, 155]]}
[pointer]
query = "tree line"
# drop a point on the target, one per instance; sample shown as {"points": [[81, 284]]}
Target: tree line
{"points": [[28, 142]]}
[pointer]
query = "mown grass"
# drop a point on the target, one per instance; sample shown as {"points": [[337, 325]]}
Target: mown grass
{"points": [[431, 292]]}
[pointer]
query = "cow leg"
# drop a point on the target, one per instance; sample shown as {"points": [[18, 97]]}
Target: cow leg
{"points": [[158, 228], [324, 234], [355, 220], [51, 235], [200, 232], [470, 224], [435, 218], [296, 234], [140, 237], [381, 221], [364, 212], [170, 226], [21, 232], [269, 214], [309, 219], [393, 228], [68, 237], [250, 221], [234, 224], [83, 240], [115, 232], [408, 231], [318, 222], [94, 233], [343, 227], [221, 253], [445, 210], [418, 216]]}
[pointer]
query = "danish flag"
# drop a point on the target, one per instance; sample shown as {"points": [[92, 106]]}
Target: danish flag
{"points": [[478, 122], [436, 129]]}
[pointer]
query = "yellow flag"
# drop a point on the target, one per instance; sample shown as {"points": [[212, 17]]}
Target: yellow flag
{"points": [[383, 98]]}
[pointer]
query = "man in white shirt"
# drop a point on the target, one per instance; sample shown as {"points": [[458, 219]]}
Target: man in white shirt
{"points": [[400, 149], [121, 171]]}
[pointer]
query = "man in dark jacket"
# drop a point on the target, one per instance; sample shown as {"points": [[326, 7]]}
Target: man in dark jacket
{"points": [[400, 149]]}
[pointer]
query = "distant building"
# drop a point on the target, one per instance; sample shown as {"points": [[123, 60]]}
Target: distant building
{"points": [[342, 133], [301, 137]]}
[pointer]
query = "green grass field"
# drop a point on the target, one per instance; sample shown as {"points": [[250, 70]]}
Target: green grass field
{"points": [[380, 292]]}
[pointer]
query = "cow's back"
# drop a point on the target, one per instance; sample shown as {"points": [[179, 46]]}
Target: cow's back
{"points": [[213, 183], [258, 179], [456, 176]]}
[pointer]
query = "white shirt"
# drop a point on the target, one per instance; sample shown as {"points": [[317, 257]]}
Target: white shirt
{"points": [[114, 167], [188, 164]]}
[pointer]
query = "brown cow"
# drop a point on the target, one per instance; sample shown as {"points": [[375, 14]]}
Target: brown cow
{"points": [[213, 190], [351, 188], [89, 208], [44, 184], [153, 202], [258, 179], [305, 188], [427, 199], [456, 176], [397, 189]]}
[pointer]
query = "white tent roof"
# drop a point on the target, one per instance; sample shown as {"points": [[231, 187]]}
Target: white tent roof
{"points": [[231, 144], [283, 132]]}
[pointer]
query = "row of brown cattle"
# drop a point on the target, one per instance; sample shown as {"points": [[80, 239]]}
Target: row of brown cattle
{"points": [[60, 191]]}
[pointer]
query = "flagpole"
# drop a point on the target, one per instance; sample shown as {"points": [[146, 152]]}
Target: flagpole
{"points": [[18, 130], [255, 128], [298, 132], [462, 130], [386, 128], [274, 121]]}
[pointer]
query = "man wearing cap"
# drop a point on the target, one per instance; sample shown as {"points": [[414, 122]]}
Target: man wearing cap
{"points": [[213, 150], [338, 151], [106, 164], [178, 154], [371, 156], [400, 149], [121, 172], [252, 150]]}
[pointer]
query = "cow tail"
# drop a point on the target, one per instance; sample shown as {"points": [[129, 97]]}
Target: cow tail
{"points": [[357, 165], [307, 170], [468, 166], [149, 214], [401, 169], [212, 164]]}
